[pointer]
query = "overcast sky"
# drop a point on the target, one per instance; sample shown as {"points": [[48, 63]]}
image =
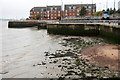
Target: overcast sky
{"points": [[17, 9]]}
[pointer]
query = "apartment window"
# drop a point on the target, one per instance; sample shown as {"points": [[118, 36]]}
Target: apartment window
{"points": [[70, 7], [89, 6], [51, 9], [78, 10], [38, 12], [93, 10], [55, 8], [58, 14], [74, 7], [85, 6], [58, 11]]}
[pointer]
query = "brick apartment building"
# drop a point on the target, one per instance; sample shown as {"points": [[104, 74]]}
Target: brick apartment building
{"points": [[46, 13], [37, 11], [55, 12], [73, 10]]}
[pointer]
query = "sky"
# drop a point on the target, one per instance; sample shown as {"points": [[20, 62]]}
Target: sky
{"points": [[19, 9]]}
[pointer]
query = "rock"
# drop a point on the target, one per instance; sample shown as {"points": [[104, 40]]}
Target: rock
{"points": [[43, 63], [4, 72], [59, 66]]}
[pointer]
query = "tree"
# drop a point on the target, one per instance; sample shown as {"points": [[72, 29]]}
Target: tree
{"points": [[58, 17], [38, 17], [111, 11], [103, 10], [108, 9], [99, 13], [82, 11], [118, 11]]}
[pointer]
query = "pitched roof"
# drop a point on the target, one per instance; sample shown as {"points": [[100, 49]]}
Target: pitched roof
{"points": [[38, 9]]}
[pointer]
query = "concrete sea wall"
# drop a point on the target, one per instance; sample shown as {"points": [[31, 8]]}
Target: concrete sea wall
{"points": [[111, 33], [24, 24], [73, 29]]}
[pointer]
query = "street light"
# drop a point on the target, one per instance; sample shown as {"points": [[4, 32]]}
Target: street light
{"points": [[114, 9], [106, 4], [92, 7], [114, 4], [61, 9]]}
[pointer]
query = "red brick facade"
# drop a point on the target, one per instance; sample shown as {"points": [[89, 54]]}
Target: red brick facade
{"points": [[55, 12]]}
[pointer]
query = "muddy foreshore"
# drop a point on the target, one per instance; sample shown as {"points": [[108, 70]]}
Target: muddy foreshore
{"points": [[72, 62]]}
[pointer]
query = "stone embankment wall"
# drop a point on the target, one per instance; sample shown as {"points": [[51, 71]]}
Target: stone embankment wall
{"points": [[24, 24], [111, 33]]}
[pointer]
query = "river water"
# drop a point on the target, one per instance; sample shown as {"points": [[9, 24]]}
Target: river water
{"points": [[22, 48], [23, 51]]}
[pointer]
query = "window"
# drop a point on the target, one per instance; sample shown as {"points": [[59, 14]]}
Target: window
{"points": [[85, 6], [51, 9], [74, 7], [58, 11], [66, 10], [89, 6], [55, 8], [70, 7], [58, 14]]}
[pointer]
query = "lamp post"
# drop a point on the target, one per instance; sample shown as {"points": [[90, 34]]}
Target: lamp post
{"points": [[106, 4], [114, 9], [61, 9], [114, 4], [92, 8]]}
